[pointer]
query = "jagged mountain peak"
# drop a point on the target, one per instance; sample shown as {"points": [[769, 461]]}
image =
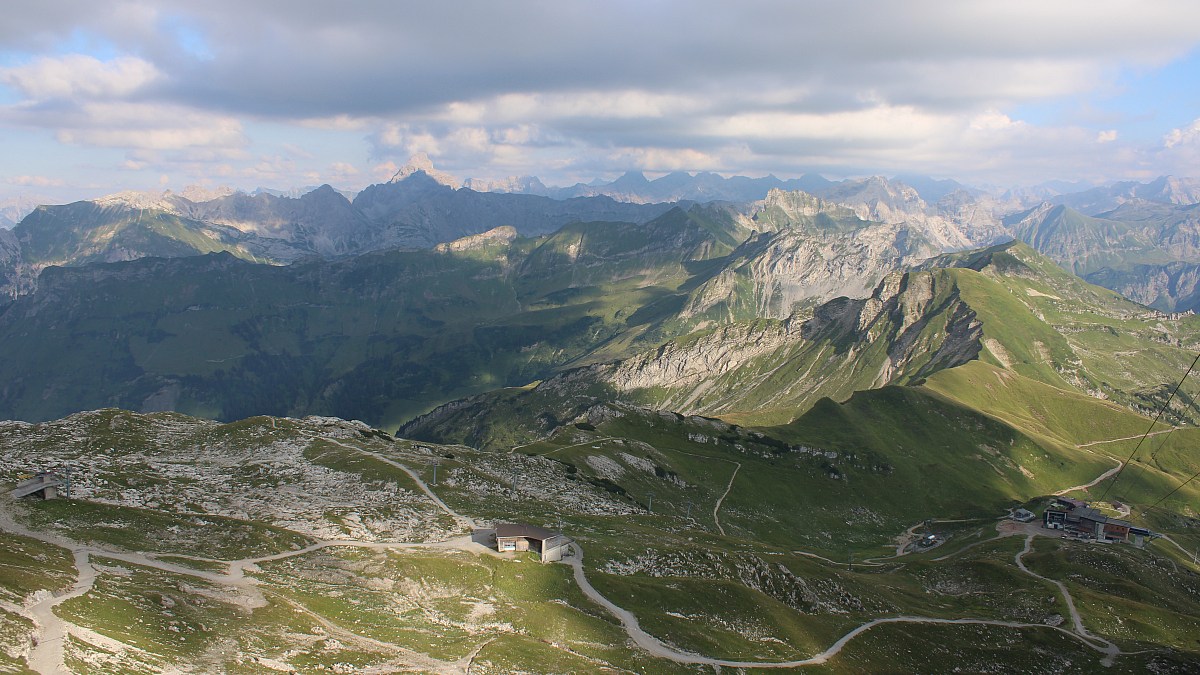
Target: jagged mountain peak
{"points": [[1174, 190], [421, 164], [199, 193], [630, 178], [531, 185], [138, 199]]}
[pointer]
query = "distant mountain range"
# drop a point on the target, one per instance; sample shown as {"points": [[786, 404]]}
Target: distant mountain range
{"points": [[1139, 239], [415, 211], [1004, 307], [1149, 251], [746, 411]]}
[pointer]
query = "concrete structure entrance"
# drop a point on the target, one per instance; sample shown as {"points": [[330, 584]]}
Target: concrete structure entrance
{"points": [[550, 545]]}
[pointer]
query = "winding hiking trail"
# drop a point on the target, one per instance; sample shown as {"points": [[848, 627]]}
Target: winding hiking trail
{"points": [[1110, 650], [462, 520], [1107, 474], [50, 631], [717, 506], [47, 653], [658, 648]]}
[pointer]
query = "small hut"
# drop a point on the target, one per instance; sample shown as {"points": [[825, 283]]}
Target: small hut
{"points": [[512, 537], [45, 485]]}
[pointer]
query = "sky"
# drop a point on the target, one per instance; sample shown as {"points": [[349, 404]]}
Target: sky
{"points": [[97, 97]]}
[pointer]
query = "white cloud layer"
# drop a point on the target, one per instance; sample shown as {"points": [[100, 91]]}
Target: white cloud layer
{"points": [[1189, 135], [292, 90], [79, 76]]}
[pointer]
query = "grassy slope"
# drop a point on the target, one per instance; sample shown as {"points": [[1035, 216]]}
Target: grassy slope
{"points": [[380, 337], [673, 571], [742, 594], [82, 233], [1135, 598], [26, 565], [1050, 339], [1037, 321]]}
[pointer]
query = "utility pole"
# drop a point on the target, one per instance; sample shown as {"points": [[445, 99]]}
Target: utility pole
{"points": [[435, 466], [650, 508]]}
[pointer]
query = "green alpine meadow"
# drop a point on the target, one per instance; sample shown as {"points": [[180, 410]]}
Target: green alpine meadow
{"points": [[535, 338], [306, 466]]}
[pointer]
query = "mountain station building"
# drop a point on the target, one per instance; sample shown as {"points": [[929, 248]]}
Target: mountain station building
{"points": [[512, 537], [1077, 517]]}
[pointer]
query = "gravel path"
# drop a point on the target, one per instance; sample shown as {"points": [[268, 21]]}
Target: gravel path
{"points": [[717, 507], [47, 653], [1093, 482], [658, 648], [1110, 650], [46, 656], [462, 520]]}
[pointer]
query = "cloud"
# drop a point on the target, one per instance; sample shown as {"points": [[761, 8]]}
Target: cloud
{"points": [[342, 171], [1189, 135], [308, 60], [572, 87], [149, 127], [384, 170], [1178, 153], [79, 76], [34, 181]]}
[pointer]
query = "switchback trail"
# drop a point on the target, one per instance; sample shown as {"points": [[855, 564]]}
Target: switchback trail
{"points": [[656, 647], [1110, 650]]}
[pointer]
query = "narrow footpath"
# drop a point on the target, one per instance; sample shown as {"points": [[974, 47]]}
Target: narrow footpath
{"points": [[47, 654], [462, 520], [717, 507], [47, 651], [656, 647], [1093, 482], [1110, 650]]}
